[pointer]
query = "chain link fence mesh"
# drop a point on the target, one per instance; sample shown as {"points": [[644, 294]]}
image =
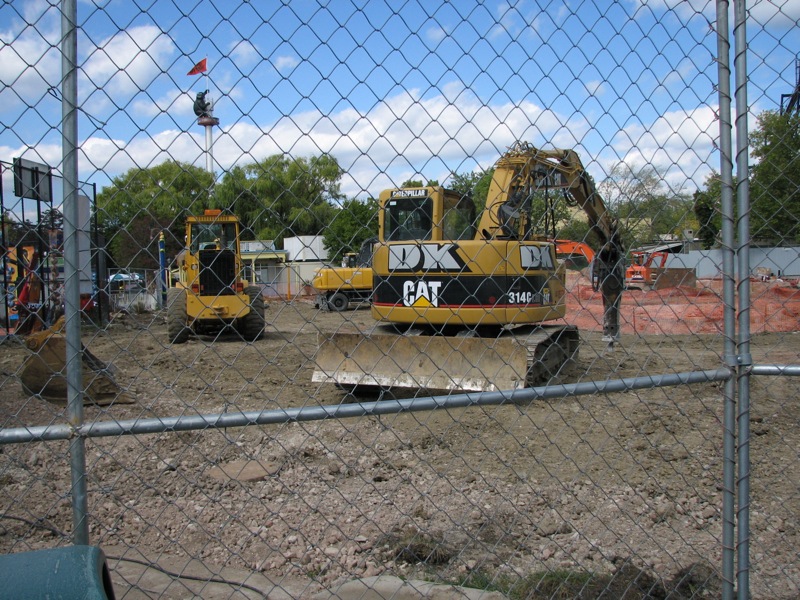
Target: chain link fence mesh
{"points": [[219, 468]]}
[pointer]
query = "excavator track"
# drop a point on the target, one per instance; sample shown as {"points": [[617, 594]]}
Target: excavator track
{"points": [[519, 357]]}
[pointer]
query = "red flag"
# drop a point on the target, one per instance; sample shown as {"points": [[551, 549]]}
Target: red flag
{"points": [[200, 67]]}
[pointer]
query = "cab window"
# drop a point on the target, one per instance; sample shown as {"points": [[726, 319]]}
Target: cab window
{"points": [[458, 220], [213, 236], [409, 219]]}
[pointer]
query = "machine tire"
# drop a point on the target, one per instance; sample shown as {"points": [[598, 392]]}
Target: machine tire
{"points": [[177, 330], [252, 324], [338, 302]]}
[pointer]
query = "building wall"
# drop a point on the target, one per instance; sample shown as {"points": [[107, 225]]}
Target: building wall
{"points": [[305, 248], [783, 262]]}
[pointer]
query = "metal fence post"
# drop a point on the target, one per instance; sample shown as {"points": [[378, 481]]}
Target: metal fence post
{"points": [[69, 103]]}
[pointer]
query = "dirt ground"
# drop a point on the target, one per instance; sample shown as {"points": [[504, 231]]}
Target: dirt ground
{"points": [[598, 482]]}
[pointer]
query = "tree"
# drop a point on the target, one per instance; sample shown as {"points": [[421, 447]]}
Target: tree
{"points": [[138, 205], [476, 183], [52, 218], [28, 233], [775, 178], [13, 231], [355, 223], [646, 208], [579, 231], [281, 197], [707, 204], [417, 183]]}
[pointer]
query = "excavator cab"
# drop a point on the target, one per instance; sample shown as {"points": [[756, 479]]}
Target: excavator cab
{"points": [[426, 214], [408, 217]]}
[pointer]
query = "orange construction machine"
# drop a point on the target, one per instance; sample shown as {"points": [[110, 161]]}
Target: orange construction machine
{"points": [[641, 273]]}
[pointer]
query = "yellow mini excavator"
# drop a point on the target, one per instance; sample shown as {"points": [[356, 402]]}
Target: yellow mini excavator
{"points": [[467, 299]]}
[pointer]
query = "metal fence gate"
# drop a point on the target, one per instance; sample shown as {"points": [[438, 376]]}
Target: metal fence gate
{"points": [[667, 466]]}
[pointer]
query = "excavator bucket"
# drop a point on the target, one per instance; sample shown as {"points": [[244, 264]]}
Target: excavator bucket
{"points": [[443, 363], [44, 371]]}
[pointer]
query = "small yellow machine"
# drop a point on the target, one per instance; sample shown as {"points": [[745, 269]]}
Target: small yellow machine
{"points": [[339, 287], [211, 293]]}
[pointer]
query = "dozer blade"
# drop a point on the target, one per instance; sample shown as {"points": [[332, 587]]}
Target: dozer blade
{"points": [[443, 363]]}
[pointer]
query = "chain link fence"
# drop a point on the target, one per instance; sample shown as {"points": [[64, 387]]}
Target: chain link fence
{"points": [[213, 461]]}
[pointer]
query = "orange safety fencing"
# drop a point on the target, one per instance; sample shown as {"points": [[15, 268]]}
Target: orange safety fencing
{"points": [[775, 307]]}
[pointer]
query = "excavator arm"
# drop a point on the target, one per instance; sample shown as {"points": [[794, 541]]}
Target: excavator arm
{"points": [[608, 273], [525, 168]]}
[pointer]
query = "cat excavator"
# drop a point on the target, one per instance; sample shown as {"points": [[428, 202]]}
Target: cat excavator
{"points": [[465, 304]]}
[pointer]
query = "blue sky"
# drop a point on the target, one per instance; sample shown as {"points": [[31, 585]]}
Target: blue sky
{"points": [[394, 90]]}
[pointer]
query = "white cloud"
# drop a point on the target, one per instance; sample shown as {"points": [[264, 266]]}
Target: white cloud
{"points": [[112, 72], [678, 78], [30, 59], [174, 101], [435, 34], [128, 61], [774, 13], [408, 135], [396, 139], [508, 21], [404, 133], [282, 63], [681, 144], [115, 156], [765, 13], [244, 53], [693, 5], [596, 87]]}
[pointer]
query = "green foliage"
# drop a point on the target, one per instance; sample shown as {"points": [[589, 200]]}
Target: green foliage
{"points": [[143, 202], [775, 182], [548, 211], [14, 231], [415, 183], [707, 204], [550, 215], [475, 183], [481, 190], [52, 218], [169, 190], [356, 222], [577, 230], [281, 197]]}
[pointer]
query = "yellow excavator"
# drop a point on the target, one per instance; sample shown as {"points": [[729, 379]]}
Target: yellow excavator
{"points": [[467, 300]]}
